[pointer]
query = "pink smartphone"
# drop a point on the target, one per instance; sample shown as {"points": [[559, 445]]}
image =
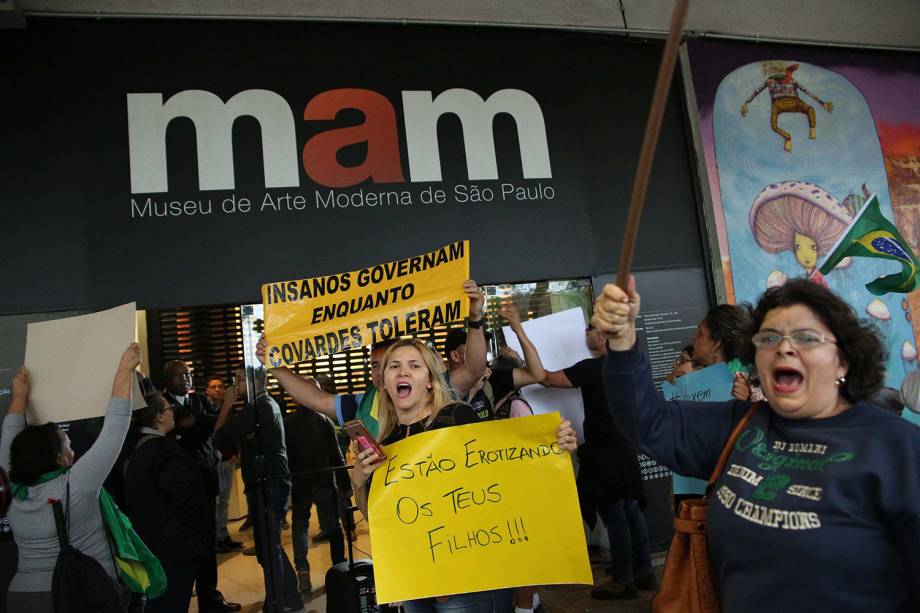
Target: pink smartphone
{"points": [[357, 432]]}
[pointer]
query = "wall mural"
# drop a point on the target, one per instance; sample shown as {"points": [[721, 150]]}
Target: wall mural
{"points": [[795, 140]]}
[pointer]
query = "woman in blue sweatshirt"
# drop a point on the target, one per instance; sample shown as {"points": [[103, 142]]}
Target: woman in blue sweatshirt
{"points": [[818, 508]]}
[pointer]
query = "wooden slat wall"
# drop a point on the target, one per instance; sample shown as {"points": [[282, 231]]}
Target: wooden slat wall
{"points": [[210, 341]]}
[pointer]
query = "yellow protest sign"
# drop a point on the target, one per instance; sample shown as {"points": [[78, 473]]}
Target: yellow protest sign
{"points": [[307, 318], [476, 507]]}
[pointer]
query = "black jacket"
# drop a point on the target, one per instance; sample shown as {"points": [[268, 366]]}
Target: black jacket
{"points": [[311, 446], [261, 438], [165, 498], [197, 439]]}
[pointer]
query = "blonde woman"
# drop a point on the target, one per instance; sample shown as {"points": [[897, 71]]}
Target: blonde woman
{"points": [[414, 399]]}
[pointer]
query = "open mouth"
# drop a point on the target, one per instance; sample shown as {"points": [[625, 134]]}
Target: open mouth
{"points": [[403, 390], [787, 380]]}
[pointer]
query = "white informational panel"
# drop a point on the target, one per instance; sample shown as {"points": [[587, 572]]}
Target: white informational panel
{"points": [[560, 341], [72, 363]]}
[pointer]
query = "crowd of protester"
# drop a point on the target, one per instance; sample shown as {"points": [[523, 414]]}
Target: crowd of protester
{"points": [[811, 371]]}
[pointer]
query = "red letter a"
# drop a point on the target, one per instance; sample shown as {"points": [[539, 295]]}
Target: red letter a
{"points": [[378, 130]]}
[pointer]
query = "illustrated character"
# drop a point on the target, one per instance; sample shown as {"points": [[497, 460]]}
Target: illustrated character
{"points": [[784, 96], [800, 217]]}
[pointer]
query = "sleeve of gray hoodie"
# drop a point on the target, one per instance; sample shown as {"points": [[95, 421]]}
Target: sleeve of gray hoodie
{"points": [[90, 471], [13, 424]]}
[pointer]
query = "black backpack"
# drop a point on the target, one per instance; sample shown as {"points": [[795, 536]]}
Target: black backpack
{"points": [[80, 584], [513, 400]]}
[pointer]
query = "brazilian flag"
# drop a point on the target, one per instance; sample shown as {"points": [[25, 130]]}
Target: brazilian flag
{"points": [[873, 236]]}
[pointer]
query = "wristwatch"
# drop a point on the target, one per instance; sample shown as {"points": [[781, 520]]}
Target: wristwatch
{"points": [[475, 324]]}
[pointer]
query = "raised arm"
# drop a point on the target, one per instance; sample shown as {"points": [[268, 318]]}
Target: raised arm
{"points": [[15, 419], [230, 397], [533, 371], [303, 392], [90, 471], [474, 366], [556, 378]]}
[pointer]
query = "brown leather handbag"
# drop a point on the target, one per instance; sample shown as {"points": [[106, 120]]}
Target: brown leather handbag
{"points": [[687, 586]]}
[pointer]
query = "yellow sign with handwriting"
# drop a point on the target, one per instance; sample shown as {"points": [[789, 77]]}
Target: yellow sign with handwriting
{"points": [[319, 316], [476, 507]]}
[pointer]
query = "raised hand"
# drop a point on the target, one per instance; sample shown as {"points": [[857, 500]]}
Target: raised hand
{"points": [[261, 346], [131, 358], [476, 298], [615, 313], [22, 384], [510, 313]]}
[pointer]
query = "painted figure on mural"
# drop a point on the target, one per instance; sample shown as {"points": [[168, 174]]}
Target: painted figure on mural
{"points": [[784, 98], [801, 217]]}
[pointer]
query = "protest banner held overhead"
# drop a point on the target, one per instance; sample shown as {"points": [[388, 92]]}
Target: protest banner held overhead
{"points": [[307, 318], [476, 507], [64, 390]]}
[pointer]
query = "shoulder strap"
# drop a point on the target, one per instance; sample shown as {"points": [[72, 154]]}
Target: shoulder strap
{"points": [[727, 449], [490, 395], [59, 522], [61, 516]]}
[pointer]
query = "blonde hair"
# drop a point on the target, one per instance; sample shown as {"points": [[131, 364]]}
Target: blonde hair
{"points": [[439, 395]]}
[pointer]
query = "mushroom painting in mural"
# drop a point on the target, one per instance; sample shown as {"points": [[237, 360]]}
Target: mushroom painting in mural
{"points": [[800, 217], [908, 357], [776, 278], [880, 315]]}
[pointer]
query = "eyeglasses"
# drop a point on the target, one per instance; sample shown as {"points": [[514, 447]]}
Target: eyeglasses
{"points": [[802, 339]]}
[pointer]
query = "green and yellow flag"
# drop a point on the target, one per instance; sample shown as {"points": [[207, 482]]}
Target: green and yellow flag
{"points": [[871, 235]]}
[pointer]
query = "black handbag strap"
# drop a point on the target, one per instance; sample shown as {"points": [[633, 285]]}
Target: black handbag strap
{"points": [[59, 522], [61, 516]]}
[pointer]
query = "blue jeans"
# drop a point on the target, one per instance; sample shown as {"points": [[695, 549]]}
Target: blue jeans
{"points": [[474, 602], [628, 536], [266, 528], [328, 516], [225, 482]]}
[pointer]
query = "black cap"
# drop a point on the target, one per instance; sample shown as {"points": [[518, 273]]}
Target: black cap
{"points": [[457, 337]]}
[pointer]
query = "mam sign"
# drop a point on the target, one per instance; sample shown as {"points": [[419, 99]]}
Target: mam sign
{"points": [[149, 115]]}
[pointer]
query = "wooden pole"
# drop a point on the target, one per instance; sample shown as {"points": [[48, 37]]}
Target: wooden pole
{"points": [[650, 141]]}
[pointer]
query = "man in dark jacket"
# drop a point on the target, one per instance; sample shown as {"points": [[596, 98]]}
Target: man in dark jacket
{"points": [[195, 422], [312, 450], [259, 429], [165, 499]]}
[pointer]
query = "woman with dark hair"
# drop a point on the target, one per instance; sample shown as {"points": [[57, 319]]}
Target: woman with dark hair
{"points": [[41, 464], [165, 495], [415, 398], [817, 509], [720, 336]]}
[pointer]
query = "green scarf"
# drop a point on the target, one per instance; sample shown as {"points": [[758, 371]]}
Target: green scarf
{"points": [[21, 492]]}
